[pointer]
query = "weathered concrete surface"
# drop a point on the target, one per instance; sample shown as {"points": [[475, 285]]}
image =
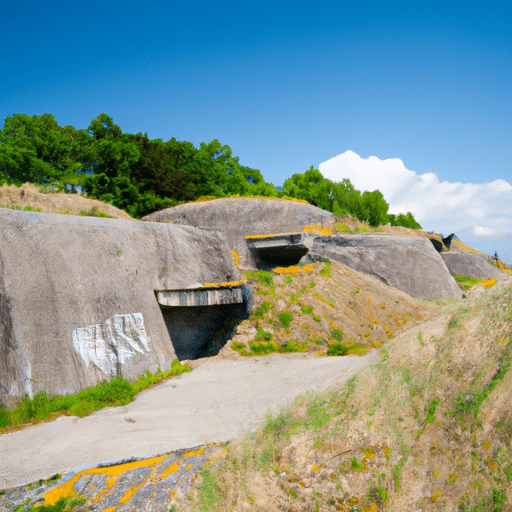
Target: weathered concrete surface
{"points": [[469, 264], [77, 296], [237, 218], [410, 264]]}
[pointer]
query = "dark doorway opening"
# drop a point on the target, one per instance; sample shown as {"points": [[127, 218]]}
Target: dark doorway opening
{"points": [[201, 331]]}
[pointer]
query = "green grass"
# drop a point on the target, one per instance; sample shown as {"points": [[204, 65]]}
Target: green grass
{"points": [[113, 392], [285, 317], [94, 212], [62, 505], [469, 401], [264, 308], [465, 282], [337, 349]]}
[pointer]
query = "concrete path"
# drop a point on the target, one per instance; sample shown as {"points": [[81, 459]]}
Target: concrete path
{"points": [[219, 400]]}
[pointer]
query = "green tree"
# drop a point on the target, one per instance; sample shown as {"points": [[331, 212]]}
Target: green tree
{"points": [[35, 149]]}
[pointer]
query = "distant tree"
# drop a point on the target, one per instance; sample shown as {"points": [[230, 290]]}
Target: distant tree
{"points": [[407, 220], [375, 207], [35, 149]]}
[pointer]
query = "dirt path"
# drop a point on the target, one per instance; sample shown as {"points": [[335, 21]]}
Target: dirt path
{"points": [[216, 402]]}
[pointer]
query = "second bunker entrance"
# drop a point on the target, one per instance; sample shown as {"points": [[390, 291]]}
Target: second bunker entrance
{"points": [[277, 250], [201, 320]]}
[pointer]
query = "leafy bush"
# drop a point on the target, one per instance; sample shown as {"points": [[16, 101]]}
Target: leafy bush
{"points": [[337, 349], [337, 334], [265, 277], [293, 346], [240, 348], [308, 310], [264, 335], [285, 317], [262, 348]]}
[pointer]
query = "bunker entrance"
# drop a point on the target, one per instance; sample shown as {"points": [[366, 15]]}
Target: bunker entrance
{"points": [[277, 250], [201, 321]]}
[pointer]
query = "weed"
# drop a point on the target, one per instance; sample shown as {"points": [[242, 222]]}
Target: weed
{"points": [[285, 317], [265, 277], [356, 465], [420, 338], [240, 348], [116, 391], [264, 308], [208, 493], [95, 212], [431, 411], [465, 282], [325, 301], [469, 402], [337, 334], [263, 335], [293, 346], [62, 505], [337, 349], [308, 310], [262, 348]]}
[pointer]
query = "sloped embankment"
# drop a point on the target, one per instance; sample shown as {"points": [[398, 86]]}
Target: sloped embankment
{"points": [[324, 308], [29, 198], [428, 427]]}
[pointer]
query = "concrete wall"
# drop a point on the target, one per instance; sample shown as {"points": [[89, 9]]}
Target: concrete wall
{"points": [[77, 296], [469, 264], [237, 218], [408, 263]]}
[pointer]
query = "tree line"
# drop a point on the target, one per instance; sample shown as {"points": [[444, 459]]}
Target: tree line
{"points": [[142, 175]]}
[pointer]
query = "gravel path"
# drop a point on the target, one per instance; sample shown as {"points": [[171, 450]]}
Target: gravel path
{"points": [[219, 400]]}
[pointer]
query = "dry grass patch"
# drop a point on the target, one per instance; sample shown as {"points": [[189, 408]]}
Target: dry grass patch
{"points": [[429, 426]]}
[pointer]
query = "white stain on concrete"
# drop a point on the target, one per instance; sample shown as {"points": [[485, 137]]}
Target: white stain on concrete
{"points": [[110, 344]]}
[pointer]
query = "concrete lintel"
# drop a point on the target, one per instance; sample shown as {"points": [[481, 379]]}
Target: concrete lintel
{"points": [[280, 240], [200, 296]]}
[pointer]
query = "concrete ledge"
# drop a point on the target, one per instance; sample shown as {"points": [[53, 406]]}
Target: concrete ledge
{"points": [[200, 297]]}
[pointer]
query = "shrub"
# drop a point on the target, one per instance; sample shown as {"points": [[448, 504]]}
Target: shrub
{"points": [[264, 277], [261, 348], [337, 334], [308, 310], [293, 346], [240, 348], [285, 317], [264, 335], [337, 349]]}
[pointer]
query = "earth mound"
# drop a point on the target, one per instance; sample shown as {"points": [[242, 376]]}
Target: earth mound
{"points": [[29, 198]]}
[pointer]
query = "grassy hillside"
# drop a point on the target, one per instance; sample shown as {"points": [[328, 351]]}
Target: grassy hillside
{"points": [[324, 309], [29, 197], [428, 427]]}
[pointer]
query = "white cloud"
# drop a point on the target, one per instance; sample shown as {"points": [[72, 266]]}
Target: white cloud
{"points": [[472, 210]]}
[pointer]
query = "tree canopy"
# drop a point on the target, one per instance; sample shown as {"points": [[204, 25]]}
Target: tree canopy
{"points": [[141, 175]]}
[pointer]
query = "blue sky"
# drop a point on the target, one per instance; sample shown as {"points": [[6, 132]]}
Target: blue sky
{"points": [[286, 85]]}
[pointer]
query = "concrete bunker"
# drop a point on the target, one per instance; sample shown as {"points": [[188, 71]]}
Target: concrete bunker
{"points": [[201, 320], [246, 224], [77, 297], [282, 249]]}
